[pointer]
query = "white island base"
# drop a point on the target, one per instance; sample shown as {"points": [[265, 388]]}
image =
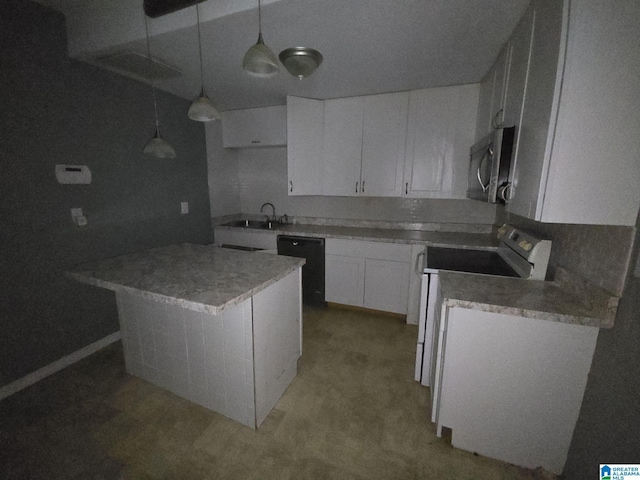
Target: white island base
{"points": [[237, 363]]}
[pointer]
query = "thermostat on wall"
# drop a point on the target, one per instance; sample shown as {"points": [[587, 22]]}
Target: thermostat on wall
{"points": [[73, 174]]}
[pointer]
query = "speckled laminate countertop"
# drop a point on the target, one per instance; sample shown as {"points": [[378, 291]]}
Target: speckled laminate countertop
{"points": [[197, 277], [568, 299], [389, 235], [565, 300]]}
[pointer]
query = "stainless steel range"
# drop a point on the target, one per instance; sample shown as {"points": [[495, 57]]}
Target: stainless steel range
{"points": [[518, 255]]}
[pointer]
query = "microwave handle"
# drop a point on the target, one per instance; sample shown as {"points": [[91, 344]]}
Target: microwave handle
{"points": [[416, 266], [478, 173]]}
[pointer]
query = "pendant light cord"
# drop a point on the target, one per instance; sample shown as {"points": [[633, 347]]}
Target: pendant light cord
{"points": [[153, 90], [259, 21], [200, 47]]}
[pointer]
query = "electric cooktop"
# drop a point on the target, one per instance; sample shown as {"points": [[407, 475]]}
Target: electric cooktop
{"points": [[485, 262]]}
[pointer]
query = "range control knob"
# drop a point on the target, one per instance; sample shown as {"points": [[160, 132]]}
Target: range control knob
{"points": [[526, 246]]}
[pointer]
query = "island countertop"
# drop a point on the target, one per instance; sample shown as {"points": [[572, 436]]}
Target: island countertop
{"points": [[197, 277]]}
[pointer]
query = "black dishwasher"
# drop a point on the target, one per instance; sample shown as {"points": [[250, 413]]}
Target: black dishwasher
{"points": [[312, 250]]}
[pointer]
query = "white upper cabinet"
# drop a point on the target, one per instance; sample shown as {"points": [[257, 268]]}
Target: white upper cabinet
{"points": [[255, 127], [364, 140], [520, 49], [342, 146], [383, 142], [305, 125], [441, 127], [492, 95], [578, 144]]}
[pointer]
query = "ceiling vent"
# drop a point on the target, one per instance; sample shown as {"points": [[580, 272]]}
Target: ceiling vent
{"points": [[157, 8], [138, 65]]}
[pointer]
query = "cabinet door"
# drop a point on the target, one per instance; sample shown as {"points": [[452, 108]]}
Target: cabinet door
{"points": [[483, 120], [518, 68], [344, 280], [429, 117], [305, 119], [383, 143], [342, 146], [386, 285], [460, 137], [499, 87], [255, 127], [541, 97]]}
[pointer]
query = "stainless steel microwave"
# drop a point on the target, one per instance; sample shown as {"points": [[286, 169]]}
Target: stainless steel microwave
{"points": [[489, 166]]}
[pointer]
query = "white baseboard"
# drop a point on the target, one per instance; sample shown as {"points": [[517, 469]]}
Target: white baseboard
{"points": [[58, 365]]}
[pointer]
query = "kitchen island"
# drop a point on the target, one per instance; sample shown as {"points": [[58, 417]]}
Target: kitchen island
{"points": [[222, 328]]}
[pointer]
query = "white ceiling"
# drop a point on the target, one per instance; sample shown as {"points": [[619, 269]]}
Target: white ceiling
{"points": [[369, 46]]}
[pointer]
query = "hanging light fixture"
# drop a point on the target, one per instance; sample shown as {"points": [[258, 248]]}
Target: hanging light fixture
{"points": [[202, 109], [156, 147], [259, 60], [300, 61]]}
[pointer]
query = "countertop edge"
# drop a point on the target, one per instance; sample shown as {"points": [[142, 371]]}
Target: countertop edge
{"points": [[190, 305], [529, 313]]}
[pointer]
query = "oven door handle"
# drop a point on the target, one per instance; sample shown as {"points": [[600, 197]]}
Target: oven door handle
{"points": [[416, 267]]}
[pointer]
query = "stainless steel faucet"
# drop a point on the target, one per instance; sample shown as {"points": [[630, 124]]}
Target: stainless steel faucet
{"points": [[273, 219]]}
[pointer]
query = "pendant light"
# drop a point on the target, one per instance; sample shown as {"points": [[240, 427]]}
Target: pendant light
{"points": [[156, 147], [260, 61], [202, 109]]}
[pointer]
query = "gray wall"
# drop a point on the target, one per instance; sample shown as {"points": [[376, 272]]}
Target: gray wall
{"points": [[261, 176], [57, 110]]}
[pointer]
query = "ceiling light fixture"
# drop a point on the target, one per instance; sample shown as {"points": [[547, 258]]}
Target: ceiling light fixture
{"points": [[202, 109], [300, 61], [156, 147], [259, 60]]}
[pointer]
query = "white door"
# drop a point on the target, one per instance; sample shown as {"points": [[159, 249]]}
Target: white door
{"points": [[386, 285], [429, 114], [344, 280], [305, 118], [383, 143], [342, 146]]}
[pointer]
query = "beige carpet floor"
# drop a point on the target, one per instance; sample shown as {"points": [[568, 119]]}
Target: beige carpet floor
{"points": [[353, 412]]}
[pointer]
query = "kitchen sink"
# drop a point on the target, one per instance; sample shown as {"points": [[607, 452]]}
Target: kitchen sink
{"points": [[257, 224]]}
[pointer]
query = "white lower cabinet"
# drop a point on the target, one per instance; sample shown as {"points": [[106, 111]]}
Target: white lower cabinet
{"points": [[511, 387], [368, 274], [386, 285], [344, 280]]}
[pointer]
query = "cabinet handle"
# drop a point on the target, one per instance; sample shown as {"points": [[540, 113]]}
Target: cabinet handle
{"points": [[406, 188], [291, 186], [357, 187], [494, 121], [362, 189]]}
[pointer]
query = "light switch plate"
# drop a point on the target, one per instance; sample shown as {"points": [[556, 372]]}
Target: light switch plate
{"points": [[184, 207]]}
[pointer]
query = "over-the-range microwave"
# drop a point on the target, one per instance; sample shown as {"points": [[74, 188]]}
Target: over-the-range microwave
{"points": [[489, 166]]}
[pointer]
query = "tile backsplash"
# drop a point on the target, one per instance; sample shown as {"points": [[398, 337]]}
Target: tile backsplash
{"points": [[601, 254]]}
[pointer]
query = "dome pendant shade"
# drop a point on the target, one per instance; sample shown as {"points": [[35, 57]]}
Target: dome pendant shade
{"points": [[202, 109], [158, 147], [300, 61], [260, 61]]}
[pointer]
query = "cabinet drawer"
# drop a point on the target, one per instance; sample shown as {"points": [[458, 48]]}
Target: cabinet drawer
{"points": [[397, 252]]}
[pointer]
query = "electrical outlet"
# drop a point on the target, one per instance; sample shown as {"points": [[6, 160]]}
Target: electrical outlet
{"points": [[78, 217], [184, 208]]}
